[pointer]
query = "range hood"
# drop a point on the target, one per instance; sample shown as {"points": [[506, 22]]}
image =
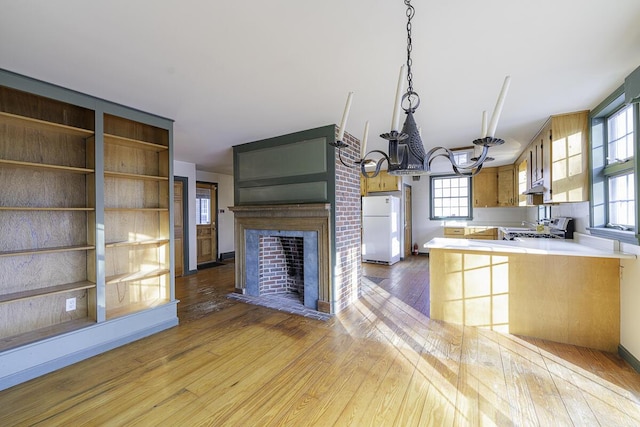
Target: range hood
{"points": [[536, 189]]}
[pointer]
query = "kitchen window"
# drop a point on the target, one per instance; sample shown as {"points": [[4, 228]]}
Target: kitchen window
{"points": [[450, 197], [614, 144]]}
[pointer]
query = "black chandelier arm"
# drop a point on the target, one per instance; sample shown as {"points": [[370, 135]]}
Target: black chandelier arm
{"points": [[378, 163], [340, 155], [470, 170]]}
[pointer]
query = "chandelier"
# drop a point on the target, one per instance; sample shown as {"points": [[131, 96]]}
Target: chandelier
{"points": [[406, 154]]}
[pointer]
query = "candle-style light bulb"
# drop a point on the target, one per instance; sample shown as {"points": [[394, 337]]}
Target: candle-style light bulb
{"points": [[498, 109], [345, 115], [363, 146], [483, 129], [397, 106]]}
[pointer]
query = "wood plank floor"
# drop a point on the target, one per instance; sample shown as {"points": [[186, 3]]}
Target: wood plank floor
{"points": [[381, 362]]}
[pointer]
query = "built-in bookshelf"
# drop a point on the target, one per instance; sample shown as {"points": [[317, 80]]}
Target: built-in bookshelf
{"points": [[85, 233], [47, 256]]}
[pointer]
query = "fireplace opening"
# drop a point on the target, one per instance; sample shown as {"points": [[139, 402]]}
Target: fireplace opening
{"points": [[281, 266]]}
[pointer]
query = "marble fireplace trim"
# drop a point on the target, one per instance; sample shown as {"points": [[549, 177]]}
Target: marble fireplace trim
{"points": [[313, 217]]}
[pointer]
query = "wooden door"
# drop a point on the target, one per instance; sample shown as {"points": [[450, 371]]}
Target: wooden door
{"points": [[408, 238], [178, 227], [206, 198]]}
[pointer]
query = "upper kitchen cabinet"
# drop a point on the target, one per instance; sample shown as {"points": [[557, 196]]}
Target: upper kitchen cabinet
{"points": [[507, 186], [565, 161], [381, 183], [494, 187], [523, 183], [485, 188], [556, 161]]}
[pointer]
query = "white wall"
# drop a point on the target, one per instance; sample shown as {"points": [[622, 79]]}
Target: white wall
{"points": [[630, 301], [188, 170], [225, 216], [424, 229], [578, 211]]}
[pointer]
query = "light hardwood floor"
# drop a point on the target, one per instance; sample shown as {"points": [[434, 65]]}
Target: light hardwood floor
{"points": [[380, 362]]}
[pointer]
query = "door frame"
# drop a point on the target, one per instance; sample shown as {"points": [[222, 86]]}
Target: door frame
{"points": [[185, 223], [214, 216], [409, 216]]}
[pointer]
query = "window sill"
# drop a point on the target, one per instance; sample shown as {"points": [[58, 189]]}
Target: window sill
{"points": [[629, 237]]}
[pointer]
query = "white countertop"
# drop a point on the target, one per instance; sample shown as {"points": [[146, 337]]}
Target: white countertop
{"points": [[526, 246]]}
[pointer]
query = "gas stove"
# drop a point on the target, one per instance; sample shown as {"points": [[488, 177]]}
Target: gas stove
{"points": [[558, 228], [531, 235]]}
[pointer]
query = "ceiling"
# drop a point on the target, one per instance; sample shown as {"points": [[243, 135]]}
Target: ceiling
{"points": [[235, 72]]}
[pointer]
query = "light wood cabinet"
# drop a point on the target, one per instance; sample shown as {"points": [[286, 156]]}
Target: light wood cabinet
{"points": [[569, 164], [476, 233], [85, 227], [381, 183], [529, 294], [485, 188], [507, 186], [558, 158]]}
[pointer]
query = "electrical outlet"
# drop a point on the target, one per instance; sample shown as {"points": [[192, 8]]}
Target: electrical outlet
{"points": [[71, 304]]}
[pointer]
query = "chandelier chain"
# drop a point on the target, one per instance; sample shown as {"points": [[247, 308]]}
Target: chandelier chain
{"points": [[410, 12]]}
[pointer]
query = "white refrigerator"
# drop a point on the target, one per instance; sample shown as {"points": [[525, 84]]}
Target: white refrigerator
{"points": [[381, 229]]}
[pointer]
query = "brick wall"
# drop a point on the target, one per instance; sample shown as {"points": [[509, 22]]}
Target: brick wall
{"points": [[281, 265], [348, 270]]}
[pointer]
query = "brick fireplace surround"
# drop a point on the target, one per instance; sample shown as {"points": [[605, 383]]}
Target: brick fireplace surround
{"points": [[330, 232], [309, 221]]}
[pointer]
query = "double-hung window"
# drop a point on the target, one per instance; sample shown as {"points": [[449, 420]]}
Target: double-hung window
{"points": [[614, 147], [450, 197]]}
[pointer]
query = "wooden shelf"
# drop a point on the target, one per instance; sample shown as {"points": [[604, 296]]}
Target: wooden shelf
{"points": [[38, 334], [133, 143], [136, 209], [43, 125], [156, 242], [58, 289], [138, 275], [31, 208], [134, 308], [135, 176], [44, 166], [47, 250]]}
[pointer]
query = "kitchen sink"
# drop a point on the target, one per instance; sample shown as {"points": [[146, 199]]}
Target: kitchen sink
{"points": [[517, 229]]}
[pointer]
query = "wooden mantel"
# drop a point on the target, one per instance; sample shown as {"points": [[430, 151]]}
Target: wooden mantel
{"points": [[315, 217]]}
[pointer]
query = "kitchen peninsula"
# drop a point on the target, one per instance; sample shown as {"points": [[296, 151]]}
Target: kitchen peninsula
{"points": [[544, 288]]}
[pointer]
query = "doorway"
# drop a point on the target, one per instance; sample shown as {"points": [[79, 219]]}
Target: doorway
{"points": [[206, 222], [179, 237], [408, 219]]}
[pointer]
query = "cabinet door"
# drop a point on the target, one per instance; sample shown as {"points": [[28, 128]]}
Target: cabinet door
{"points": [[569, 169], [506, 186], [545, 147], [382, 183], [485, 188], [390, 182], [522, 182]]}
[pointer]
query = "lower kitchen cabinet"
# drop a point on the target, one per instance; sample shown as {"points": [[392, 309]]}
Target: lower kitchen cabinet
{"points": [[479, 233]]}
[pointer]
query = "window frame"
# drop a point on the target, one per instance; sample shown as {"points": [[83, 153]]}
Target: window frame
{"points": [[600, 171], [432, 216]]}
